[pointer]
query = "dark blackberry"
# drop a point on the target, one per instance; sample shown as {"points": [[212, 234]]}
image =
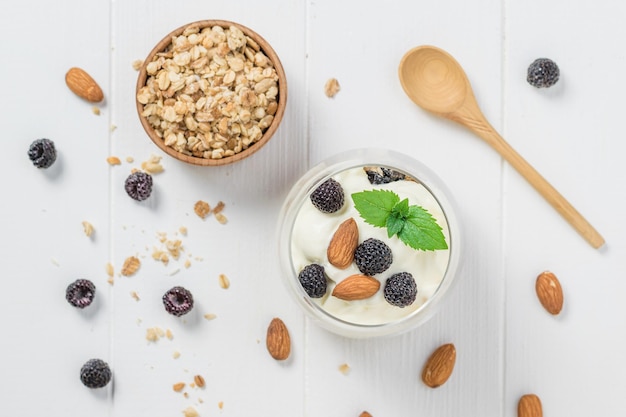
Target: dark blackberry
{"points": [[138, 185], [373, 256], [543, 73], [328, 197], [383, 175], [95, 373], [313, 280], [42, 153], [400, 289], [178, 301], [80, 293]]}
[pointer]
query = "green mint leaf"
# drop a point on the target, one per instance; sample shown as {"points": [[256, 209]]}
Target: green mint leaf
{"points": [[375, 206], [395, 224], [402, 208], [421, 231]]}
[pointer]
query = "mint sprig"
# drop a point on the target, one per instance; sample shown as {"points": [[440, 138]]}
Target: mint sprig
{"points": [[413, 225]]}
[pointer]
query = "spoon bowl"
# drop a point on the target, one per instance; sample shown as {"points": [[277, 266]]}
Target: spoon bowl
{"points": [[435, 81]]}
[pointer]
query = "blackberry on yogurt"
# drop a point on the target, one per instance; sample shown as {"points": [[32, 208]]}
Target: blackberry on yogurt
{"points": [[313, 280], [373, 256], [400, 289], [328, 197]]}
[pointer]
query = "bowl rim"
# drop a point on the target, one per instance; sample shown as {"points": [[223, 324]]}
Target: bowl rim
{"points": [[269, 132], [326, 169]]}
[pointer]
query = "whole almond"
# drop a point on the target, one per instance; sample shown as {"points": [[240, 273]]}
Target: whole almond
{"points": [[549, 292], [83, 85], [365, 414], [278, 341], [356, 287], [439, 366], [341, 249], [529, 405]]}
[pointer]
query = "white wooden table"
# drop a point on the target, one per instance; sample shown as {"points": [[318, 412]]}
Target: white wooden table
{"points": [[507, 345]]}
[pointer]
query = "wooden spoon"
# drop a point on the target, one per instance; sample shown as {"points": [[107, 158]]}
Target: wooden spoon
{"points": [[435, 81]]}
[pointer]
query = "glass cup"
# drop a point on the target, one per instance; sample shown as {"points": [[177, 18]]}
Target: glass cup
{"points": [[305, 232]]}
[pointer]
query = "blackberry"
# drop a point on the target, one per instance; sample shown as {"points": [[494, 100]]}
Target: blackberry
{"points": [[328, 197], [373, 256], [178, 301], [313, 280], [80, 293], [383, 175], [42, 153], [543, 73], [95, 373], [400, 289], [138, 185]]}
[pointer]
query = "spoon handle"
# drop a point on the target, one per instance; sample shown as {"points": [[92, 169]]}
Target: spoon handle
{"points": [[484, 130]]}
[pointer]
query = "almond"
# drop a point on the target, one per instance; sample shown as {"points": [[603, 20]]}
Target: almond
{"points": [[529, 405], [341, 249], [356, 287], [83, 85], [278, 341], [439, 366], [549, 292]]}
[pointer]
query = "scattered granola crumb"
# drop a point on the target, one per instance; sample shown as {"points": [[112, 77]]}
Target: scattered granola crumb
{"points": [[220, 405], [111, 280], [112, 128], [187, 263], [210, 316], [95, 110], [221, 218], [219, 207], [169, 334], [137, 64], [130, 159], [131, 265], [202, 208], [186, 394], [183, 230], [176, 354], [159, 255], [153, 334], [109, 269], [224, 281], [365, 414], [134, 295], [332, 87], [152, 165], [190, 412], [199, 381], [114, 160], [344, 368], [87, 228], [178, 387]]}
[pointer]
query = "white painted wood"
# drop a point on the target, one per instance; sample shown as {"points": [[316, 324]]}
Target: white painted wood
{"points": [[507, 345]]}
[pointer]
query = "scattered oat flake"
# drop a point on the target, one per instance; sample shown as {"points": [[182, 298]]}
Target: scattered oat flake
{"points": [[152, 165], [219, 207], [169, 334], [344, 368], [224, 281], [220, 405], [221, 218], [111, 280], [130, 159], [332, 87], [187, 263], [183, 230], [131, 265], [190, 412], [210, 316], [134, 295], [176, 354], [137, 64], [114, 160], [153, 334], [87, 228], [202, 208], [178, 387], [199, 381], [95, 110], [109, 269]]}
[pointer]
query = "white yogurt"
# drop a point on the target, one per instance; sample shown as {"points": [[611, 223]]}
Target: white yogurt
{"points": [[313, 230]]}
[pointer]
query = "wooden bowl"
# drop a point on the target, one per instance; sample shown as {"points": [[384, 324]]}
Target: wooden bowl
{"points": [[240, 152]]}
